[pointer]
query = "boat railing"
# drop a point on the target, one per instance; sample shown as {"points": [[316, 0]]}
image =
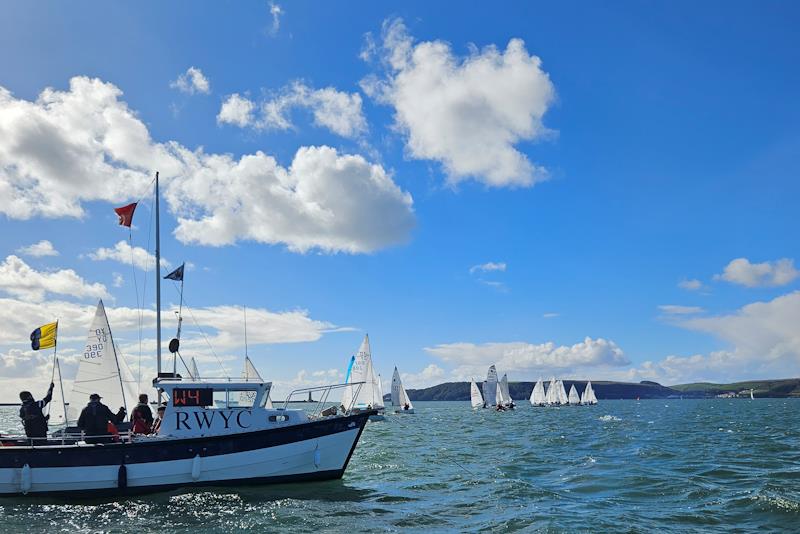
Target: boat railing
{"points": [[61, 437], [323, 399]]}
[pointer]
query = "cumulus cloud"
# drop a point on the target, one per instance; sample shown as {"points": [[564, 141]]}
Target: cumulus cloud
{"points": [[468, 113], [472, 360], [124, 253], [39, 250], [488, 267], [691, 284], [192, 81], [17, 278], [85, 144], [674, 309], [236, 110], [323, 200], [768, 274], [338, 111], [431, 375], [275, 11]]}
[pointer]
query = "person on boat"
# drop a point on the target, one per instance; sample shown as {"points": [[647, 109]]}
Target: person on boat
{"points": [[500, 408], [95, 418], [405, 406], [159, 417], [142, 416], [33, 419]]}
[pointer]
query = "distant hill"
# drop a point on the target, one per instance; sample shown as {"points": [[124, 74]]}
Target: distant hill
{"points": [[786, 387], [459, 391]]}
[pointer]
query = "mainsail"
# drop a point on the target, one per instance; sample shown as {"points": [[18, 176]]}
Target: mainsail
{"points": [[101, 370], [362, 370], [563, 398], [490, 386], [506, 395], [250, 374], [552, 396], [475, 395], [399, 395], [538, 397], [573, 395], [588, 396], [193, 372]]}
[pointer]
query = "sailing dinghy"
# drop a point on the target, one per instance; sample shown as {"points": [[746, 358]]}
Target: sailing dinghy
{"points": [[505, 395], [361, 371], [588, 396], [490, 387], [400, 400], [538, 397], [475, 397], [197, 444], [574, 399]]}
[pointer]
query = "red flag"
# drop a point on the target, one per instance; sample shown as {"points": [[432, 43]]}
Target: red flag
{"points": [[126, 214]]}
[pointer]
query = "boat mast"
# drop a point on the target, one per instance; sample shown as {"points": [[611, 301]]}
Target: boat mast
{"points": [[116, 358], [158, 291]]}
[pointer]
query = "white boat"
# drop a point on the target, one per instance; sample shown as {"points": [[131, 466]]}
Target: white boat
{"points": [[490, 387], [574, 399], [538, 396], [563, 398], [505, 395], [370, 395], [198, 444], [552, 396], [475, 397], [588, 396], [400, 400]]}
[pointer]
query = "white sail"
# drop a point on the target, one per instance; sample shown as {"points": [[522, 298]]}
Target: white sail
{"points": [[751, 393], [250, 374], [379, 403], [101, 370], [498, 398], [194, 374], [538, 397], [399, 396], [563, 398], [573, 395], [475, 395], [362, 370], [490, 386], [552, 397], [504, 390], [588, 396], [58, 414]]}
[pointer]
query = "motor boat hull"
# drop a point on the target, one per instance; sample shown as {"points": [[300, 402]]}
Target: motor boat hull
{"points": [[317, 450]]}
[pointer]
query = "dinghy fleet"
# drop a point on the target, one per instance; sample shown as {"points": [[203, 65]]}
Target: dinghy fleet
{"points": [[497, 394]]}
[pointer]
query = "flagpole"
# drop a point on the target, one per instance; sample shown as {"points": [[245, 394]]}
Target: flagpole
{"points": [[158, 291], [53, 374]]}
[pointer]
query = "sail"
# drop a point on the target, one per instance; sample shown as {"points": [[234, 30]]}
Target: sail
{"points": [[504, 390], [552, 397], [573, 395], [588, 396], [379, 403], [490, 386], [563, 398], [751, 393], [538, 397], [249, 374], [361, 370], [475, 395], [102, 370], [193, 372], [399, 395]]}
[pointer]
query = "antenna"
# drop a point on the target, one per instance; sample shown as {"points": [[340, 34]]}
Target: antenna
{"points": [[245, 332]]}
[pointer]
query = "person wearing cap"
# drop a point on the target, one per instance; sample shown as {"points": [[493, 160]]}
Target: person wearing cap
{"points": [[160, 417], [33, 418], [94, 420]]}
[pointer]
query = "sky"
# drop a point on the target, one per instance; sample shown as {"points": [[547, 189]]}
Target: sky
{"points": [[574, 189]]}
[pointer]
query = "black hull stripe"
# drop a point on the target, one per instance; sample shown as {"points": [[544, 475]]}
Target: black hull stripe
{"points": [[179, 449], [316, 476]]}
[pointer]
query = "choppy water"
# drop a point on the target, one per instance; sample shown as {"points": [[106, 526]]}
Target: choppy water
{"points": [[621, 466]]}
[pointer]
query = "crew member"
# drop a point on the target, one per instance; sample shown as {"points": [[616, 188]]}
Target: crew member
{"points": [[94, 420], [159, 417], [141, 416], [30, 412]]}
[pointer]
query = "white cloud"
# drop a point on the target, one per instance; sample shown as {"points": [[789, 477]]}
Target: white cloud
{"points": [[550, 315], [275, 11], [119, 280], [236, 110], [323, 200], [473, 360], [19, 279], [85, 144], [466, 113], [429, 376], [691, 284], [673, 309], [125, 254], [192, 81], [335, 110], [488, 267], [770, 273], [39, 250]]}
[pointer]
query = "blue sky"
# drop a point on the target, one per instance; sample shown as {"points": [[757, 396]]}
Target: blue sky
{"points": [[626, 174]]}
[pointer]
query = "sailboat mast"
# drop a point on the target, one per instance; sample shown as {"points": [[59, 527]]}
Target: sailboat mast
{"points": [[158, 289], [116, 358]]}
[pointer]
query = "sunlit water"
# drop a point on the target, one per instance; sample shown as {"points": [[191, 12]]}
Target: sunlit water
{"points": [[622, 466]]}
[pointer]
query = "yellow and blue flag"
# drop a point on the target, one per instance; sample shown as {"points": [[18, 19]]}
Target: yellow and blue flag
{"points": [[44, 337]]}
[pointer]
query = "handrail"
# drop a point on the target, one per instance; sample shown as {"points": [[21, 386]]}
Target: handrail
{"points": [[324, 398]]}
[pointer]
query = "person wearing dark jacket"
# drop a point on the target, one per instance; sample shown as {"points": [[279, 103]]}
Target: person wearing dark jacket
{"points": [[142, 416], [33, 418], [95, 418]]}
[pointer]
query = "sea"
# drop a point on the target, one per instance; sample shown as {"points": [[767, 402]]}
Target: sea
{"points": [[721, 465]]}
